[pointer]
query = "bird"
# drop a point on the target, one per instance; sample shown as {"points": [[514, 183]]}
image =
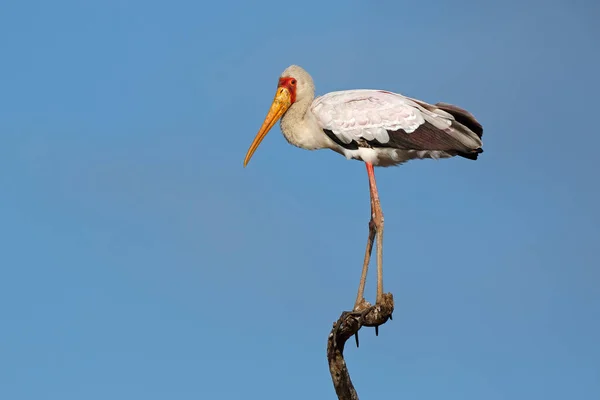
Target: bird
{"points": [[378, 127]]}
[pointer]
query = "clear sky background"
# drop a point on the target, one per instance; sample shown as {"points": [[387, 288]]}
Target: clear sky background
{"points": [[139, 260]]}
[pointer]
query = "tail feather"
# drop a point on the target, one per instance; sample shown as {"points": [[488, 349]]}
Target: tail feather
{"points": [[466, 119], [462, 116], [472, 155]]}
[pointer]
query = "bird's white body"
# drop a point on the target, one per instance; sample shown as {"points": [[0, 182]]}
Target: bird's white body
{"points": [[362, 116]]}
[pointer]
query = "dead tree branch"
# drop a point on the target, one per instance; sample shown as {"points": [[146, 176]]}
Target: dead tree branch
{"points": [[346, 326]]}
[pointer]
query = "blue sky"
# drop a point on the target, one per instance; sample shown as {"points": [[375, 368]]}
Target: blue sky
{"points": [[140, 260]]}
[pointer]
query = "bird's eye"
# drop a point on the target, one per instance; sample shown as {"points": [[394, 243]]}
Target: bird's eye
{"points": [[293, 81]]}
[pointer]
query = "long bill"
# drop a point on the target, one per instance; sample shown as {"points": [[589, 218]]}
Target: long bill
{"points": [[280, 105]]}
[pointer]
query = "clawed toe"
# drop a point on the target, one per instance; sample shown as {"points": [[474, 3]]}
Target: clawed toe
{"points": [[361, 305]]}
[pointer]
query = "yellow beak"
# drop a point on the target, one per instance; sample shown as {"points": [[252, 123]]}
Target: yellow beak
{"points": [[281, 103]]}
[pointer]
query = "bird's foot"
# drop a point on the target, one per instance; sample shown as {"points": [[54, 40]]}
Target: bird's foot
{"points": [[384, 307], [361, 305], [356, 316], [361, 308], [365, 314]]}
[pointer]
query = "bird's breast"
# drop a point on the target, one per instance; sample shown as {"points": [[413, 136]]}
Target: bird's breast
{"points": [[388, 157], [304, 132]]}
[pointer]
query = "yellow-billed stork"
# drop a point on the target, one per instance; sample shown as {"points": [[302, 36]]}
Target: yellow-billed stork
{"points": [[377, 127]]}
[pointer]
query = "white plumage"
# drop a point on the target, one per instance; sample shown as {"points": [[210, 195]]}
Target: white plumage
{"points": [[359, 124], [366, 114]]}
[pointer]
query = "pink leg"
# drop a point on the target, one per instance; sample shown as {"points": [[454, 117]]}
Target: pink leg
{"points": [[375, 228]]}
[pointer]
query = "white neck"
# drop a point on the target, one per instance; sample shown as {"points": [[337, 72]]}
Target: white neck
{"points": [[300, 127], [298, 124]]}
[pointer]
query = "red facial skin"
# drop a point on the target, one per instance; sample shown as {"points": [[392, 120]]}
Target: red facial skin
{"points": [[289, 84]]}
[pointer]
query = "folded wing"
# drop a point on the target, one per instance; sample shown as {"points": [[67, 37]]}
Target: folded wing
{"points": [[375, 118]]}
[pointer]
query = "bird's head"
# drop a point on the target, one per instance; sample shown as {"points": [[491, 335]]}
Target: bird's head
{"points": [[295, 86]]}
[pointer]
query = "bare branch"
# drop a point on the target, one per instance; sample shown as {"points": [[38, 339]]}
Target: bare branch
{"points": [[346, 326]]}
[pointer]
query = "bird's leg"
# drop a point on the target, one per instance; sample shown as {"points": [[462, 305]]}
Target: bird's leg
{"points": [[375, 228], [377, 219], [360, 299]]}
